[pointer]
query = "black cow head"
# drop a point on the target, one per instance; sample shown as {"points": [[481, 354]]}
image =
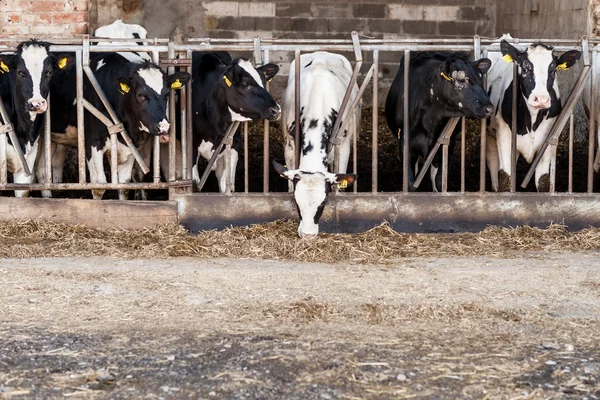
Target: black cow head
{"points": [[311, 190], [458, 83], [245, 92], [32, 67], [145, 94], [538, 67]]}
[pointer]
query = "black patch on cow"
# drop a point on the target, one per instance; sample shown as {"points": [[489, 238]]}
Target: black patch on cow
{"points": [[309, 147], [313, 123], [308, 65]]}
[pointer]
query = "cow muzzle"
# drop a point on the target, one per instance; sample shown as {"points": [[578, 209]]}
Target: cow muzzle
{"points": [[540, 101], [37, 105], [163, 131], [308, 236], [274, 113]]}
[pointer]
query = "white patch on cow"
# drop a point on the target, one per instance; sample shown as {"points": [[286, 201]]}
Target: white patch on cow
{"points": [[309, 194], [541, 59], [237, 117], [460, 104], [34, 57], [432, 174], [32, 115], [100, 64], [206, 150], [143, 127], [75, 102], [249, 68], [431, 92], [163, 126], [153, 78]]}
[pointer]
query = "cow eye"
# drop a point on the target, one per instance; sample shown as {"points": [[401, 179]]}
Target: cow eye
{"points": [[141, 96], [244, 85]]}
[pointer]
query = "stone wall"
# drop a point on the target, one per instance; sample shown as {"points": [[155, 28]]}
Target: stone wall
{"points": [[43, 18]]}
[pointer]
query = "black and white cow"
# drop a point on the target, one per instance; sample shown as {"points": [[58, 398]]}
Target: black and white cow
{"points": [[226, 90], [324, 79], [137, 90], [25, 78], [587, 103], [537, 108], [442, 85]]}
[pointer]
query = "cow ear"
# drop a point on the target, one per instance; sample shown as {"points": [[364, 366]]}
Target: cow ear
{"points": [[123, 85], [7, 62], [64, 62], [269, 71], [228, 78], [178, 79], [509, 52], [342, 180], [567, 60], [284, 172], [483, 64]]}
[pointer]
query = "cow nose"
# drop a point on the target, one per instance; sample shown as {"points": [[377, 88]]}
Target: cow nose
{"points": [[308, 236], [541, 101], [163, 126], [275, 112], [37, 105], [489, 110]]}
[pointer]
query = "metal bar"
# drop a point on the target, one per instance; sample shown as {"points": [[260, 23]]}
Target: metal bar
{"points": [[97, 113], [85, 186], [3, 160], [406, 126], [48, 142], [552, 169], [173, 127], [375, 123], [355, 102], [560, 123], [354, 153], [297, 132], [187, 140], [114, 159], [513, 141], [593, 164], [463, 148], [266, 138], [183, 132], [483, 136], [246, 180], [156, 159], [228, 167], [228, 135], [80, 115], [444, 136], [444, 168], [571, 135], [13, 138]]}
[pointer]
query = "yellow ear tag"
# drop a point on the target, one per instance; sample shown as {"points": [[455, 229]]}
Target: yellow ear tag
{"points": [[227, 81], [62, 62], [176, 84], [270, 80], [446, 77], [343, 184], [507, 59], [3, 67], [563, 66], [124, 88]]}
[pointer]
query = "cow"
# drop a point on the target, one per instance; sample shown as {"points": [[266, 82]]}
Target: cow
{"points": [[324, 79], [25, 79], [538, 105], [442, 85], [226, 90], [137, 90], [587, 103]]}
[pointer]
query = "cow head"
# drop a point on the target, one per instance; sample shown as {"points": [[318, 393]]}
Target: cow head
{"points": [[311, 190], [459, 84], [32, 67], [537, 73], [145, 94], [245, 92]]}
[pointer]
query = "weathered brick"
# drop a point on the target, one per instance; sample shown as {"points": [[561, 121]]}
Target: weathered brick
{"points": [[237, 23], [384, 25], [221, 8], [80, 5], [14, 30], [441, 13], [273, 24], [47, 6], [419, 28], [68, 18], [80, 27], [14, 19], [369, 10], [309, 25], [296, 10], [252, 9], [14, 5], [405, 12], [473, 14], [455, 28], [347, 25], [222, 34], [331, 10]]}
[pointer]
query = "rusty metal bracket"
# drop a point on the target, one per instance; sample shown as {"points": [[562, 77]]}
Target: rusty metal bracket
{"points": [[444, 141], [115, 129], [176, 62], [227, 141]]}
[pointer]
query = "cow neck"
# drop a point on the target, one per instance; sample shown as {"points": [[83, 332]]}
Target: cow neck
{"points": [[130, 125], [27, 130], [218, 112]]}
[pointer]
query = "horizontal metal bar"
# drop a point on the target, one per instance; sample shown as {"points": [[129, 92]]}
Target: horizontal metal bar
{"points": [[86, 186]]}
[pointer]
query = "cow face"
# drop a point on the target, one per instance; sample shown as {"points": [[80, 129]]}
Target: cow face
{"points": [[311, 190], [33, 67], [459, 84], [145, 93], [245, 91], [537, 73]]}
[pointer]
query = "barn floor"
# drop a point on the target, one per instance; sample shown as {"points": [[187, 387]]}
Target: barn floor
{"points": [[525, 326]]}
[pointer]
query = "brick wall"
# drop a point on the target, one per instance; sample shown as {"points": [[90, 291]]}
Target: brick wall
{"points": [[42, 18]]}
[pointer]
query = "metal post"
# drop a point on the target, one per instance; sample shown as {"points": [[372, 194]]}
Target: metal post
{"points": [[156, 142], [463, 147], [406, 126], [513, 141], [187, 141], [444, 168], [375, 124], [114, 158], [266, 138], [246, 180], [3, 160], [483, 135], [48, 142], [172, 119], [13, 137], [592, 163], [297, 132], [80, 114], [552, 168], [571, 134]]}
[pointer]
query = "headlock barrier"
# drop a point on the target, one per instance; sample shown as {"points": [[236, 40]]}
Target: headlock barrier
{"points": [[346, 211]]}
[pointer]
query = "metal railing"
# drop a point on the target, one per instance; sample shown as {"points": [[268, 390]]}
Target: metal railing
{"points": [[262, 49]]}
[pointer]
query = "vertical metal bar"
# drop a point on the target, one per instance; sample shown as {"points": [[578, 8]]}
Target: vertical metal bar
{"points": [[513, 142], [592, 132], [228, 167], [246, 158], [571, 134], [172, 118], [3, 161], [483, 147], [47, 142], [187, 141], [552, 169], [297, 132], [444, 168], [80, 113], [463, 148], [375, 125], [183, 129], [156, 141], [406, 123], [354, 155], [266, 138], [114, 159]]}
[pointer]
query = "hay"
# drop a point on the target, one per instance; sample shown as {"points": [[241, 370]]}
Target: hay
{"points": [[278, 240]]}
